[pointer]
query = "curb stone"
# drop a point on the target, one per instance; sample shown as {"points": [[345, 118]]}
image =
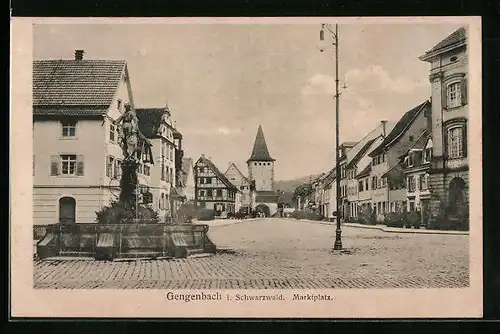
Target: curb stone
{"points": [[391, 230]]}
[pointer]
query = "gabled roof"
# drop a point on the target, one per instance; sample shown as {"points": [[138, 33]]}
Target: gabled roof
{"points": [[330, 177], [360, 154], [217, 172], [260, 151], [150, 120], [238, 170], [456, 37], [400, 128], [365, 172], [75, 87]]}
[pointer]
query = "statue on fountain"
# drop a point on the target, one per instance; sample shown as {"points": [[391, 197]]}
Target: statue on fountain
{"points": [[136, 149]]}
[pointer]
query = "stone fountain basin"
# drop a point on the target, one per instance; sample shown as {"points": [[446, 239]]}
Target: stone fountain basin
{"points": [[116, 241]]}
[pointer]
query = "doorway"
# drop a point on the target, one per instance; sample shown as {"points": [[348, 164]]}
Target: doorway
{"points": [[67, 210]]}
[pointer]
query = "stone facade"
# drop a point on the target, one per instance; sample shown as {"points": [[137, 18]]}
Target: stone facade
{"points": [[449, 168]]}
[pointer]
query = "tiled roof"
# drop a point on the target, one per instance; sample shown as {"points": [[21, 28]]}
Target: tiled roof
{"points": [[260, 151], [457, 36], [365, 172], [70, 110], [76, 83], [400, 127], [330, 177], [150, 120], [360, 154], [217, 172]]}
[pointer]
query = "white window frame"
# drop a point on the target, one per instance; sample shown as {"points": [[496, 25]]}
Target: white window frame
{"points": [[112, 133], [460, 142], [68, 160], [453, 97], [67, 126]]}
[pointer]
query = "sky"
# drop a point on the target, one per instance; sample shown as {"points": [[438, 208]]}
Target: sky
{"points": [[222, 80]]}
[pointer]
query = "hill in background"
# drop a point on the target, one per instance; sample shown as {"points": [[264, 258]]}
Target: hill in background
{"points": [[290, 185]]}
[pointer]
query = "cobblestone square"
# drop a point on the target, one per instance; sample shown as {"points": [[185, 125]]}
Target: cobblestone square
{"points": [[279, 253]]}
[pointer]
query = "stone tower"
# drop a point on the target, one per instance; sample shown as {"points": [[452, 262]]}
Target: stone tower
{"points": [[261, 165]]}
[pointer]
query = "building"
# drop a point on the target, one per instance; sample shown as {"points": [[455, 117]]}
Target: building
{"points": [[77, 155], [387, 177], [416, 166], [358, 163], [240, 181], [344, 159], [364, 190], [449, 168], [156, 125], [329, 194], [186, 184], [261, 175], [212, 189]]}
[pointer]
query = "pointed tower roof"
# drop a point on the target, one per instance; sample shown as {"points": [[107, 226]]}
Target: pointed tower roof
{"points": [[260, 151]]}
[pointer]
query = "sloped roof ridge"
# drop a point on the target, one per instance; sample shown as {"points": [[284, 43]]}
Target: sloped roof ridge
{"points": [[400, 127], [217, 172]]}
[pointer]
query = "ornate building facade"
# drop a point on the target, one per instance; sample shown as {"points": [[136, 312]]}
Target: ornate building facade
{"points": [[449, 167]]}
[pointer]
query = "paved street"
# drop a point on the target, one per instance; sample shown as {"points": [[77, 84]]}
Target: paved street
{"points": [[278, 253]]}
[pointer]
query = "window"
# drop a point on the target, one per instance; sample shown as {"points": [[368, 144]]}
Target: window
{"points": [[219, 192], [366, 184], [411, 159], [411, 139], [119, 104], [242, 187], [118, 168], [202, 180], [423, 182], [428, 154], [209, 193], [202, 193], [68, 128], [374, 182], [112, 131], [208, 180], [453, 95], [147, 170], [382, 182], [411, 183], [109, 166], [68, 164], [455, 142]]}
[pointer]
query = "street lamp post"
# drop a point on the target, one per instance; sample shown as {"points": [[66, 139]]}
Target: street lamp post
{"points": [[335, 36]]}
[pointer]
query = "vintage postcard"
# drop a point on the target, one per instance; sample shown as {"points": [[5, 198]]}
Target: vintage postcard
{"points": [[246, 167]]}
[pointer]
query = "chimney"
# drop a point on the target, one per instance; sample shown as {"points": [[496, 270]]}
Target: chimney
{"points": [[79, 54], [384, 123]]}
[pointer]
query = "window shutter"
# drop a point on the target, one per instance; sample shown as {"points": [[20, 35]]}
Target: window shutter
{"points": [[463, 91], [79, 165], [464, 140], [444, 97], [54, 165]]}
